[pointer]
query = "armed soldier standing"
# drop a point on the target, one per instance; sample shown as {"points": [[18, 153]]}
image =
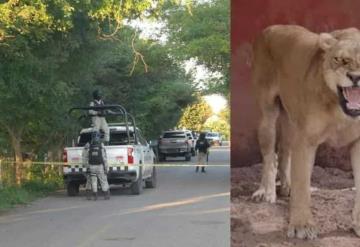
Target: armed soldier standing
{"points": [[202, 146], [94, 159], [98, 117]]}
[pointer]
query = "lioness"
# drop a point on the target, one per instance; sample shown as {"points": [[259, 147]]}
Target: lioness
{"points": [[311, 82]]}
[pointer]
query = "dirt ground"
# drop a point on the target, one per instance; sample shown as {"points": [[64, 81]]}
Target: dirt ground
{"points": [[264, 225]]}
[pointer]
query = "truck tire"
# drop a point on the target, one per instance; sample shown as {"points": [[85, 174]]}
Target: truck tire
{"points": [[188, 156], [151, 183], [72, 188], [137, 186]]}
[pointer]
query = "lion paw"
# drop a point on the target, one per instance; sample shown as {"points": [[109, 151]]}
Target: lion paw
{"points": [[285, 191], [262, 195], [302, 232], [357, 230], [356, 220]]}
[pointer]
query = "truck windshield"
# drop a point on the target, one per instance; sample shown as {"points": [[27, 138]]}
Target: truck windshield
{"points": [[174, 135], [212, 134], [121, 138], [116, 138]]}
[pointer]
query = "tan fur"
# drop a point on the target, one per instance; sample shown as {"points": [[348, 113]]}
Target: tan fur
{"points": [[295, 78]]}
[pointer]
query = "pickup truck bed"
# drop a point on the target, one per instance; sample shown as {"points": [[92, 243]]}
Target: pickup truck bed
{"points": [[124, 164]]}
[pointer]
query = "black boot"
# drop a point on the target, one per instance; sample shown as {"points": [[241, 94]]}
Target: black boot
{"points": [[94, 196], [203, 169], [197, 169], [107, 195], [88, 194]]}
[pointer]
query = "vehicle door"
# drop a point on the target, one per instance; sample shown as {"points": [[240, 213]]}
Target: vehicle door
{"points": [[146, 154]]}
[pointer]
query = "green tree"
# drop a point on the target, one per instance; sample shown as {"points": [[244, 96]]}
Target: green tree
{"points": [[49, 55], [157, 97], [203, 35], [218, 125], [224, 114], [194, 116]]}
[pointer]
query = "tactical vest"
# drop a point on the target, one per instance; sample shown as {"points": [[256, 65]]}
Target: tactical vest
{"points": [[203, 146], [95, 154], [99, 103]]}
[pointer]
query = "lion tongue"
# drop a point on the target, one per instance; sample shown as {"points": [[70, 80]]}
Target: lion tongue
{"points": [[352, 95]]}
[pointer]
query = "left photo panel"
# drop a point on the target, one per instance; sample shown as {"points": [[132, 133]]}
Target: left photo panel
{"points": [[115, 123]]}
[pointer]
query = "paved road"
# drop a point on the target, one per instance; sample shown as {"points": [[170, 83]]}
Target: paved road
{"points": [[187, 209]]}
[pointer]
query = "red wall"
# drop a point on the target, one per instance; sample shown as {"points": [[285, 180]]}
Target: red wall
{"points": [[248, 17]]}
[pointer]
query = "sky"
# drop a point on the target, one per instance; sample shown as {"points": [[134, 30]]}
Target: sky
{"points": [[217, 102]]}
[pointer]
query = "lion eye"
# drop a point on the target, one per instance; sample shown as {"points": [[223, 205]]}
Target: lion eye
{"points": [[346, 61], [337, 59]]}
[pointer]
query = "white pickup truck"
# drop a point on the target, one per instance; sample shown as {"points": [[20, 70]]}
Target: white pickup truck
{"points": [[127, 150]]}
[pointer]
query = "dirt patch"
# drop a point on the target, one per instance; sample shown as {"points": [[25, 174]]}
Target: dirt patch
{"points": [[264, 224]]}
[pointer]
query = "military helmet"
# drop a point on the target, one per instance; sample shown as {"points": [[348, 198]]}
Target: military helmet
{"points": [[96, 94]]}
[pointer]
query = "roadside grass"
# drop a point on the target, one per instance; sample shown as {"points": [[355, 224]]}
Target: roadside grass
{"points": [[27, 192]]}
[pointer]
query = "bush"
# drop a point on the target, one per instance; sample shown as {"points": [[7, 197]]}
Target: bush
{"points": [[30, 190], [11, 196]]}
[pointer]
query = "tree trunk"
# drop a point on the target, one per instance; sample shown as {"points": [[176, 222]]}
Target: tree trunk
{"points": [[16, 145], [18, 160]]}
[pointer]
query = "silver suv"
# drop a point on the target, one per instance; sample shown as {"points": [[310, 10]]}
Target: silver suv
{"points": [[214, 138], [175, 143]]}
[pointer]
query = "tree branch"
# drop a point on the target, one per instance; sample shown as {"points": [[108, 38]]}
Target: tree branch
{"points": [[137, 56]]}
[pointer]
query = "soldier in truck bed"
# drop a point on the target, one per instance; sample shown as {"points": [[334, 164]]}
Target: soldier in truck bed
{"points": [[98, 117], [95, 160]]}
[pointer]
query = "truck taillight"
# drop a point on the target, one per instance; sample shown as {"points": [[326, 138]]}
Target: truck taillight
{"points": [[65, 156], [130, 155]]}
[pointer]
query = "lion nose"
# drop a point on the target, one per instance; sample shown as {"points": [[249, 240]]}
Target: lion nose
{"points": [[354, 78]]}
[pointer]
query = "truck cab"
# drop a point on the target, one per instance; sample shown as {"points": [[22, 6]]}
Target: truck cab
{"points": [[130, 159]]}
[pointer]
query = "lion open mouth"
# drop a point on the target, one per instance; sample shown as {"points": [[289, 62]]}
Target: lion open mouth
{"points": [[350, 100]]}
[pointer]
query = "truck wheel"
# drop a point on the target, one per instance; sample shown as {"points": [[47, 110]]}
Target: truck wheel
{"points": [[151, 183], [187, 156], [73, 188], [137, 186]]}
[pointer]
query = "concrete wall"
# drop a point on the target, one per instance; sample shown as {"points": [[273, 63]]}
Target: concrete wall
{"points": [[248, 17]]}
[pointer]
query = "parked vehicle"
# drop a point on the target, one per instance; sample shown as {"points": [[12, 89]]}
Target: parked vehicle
{"points": [[214, 138], [192, 141], [127, 150], [174, 144]]}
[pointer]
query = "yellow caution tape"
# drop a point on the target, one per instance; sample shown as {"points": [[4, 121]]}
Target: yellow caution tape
{"points": [[68, 164]]}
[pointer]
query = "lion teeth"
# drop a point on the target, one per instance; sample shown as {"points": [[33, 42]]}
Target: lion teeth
{"points": [[345, 93]]}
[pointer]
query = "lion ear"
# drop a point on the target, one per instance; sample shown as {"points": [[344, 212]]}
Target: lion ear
{"points": [[326, 41]]}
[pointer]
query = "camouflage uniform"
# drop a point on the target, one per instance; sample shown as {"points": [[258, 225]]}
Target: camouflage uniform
{"points": [[98, 120], [202, 145], [96, 172]]}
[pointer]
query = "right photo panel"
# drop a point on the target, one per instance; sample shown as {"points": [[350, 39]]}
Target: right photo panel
{"points": [[295, 123]]}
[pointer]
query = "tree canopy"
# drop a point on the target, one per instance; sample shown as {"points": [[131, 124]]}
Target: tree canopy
{"points": [[203, 35], [194, 116], [53, 54]]}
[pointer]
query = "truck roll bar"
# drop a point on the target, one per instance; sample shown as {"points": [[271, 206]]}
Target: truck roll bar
{"points": [[110, 110]]}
